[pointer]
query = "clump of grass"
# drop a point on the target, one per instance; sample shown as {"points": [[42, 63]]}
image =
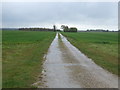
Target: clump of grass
{"points": [[59, 37]]}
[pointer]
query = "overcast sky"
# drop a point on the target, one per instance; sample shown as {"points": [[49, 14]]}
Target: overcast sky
{"points": [[83, 15]]}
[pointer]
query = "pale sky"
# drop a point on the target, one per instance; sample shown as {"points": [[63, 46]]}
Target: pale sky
{"points": [[83, 15]]}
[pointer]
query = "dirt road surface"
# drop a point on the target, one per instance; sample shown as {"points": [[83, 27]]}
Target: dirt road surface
{"points": [[66, 67]]}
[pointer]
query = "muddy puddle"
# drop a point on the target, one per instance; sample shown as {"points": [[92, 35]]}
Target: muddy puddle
{"points": [[66, 67]]}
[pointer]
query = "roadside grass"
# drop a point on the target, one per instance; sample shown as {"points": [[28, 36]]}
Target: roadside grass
{"points": [[101, 47], [22, 57], [0, 59]]}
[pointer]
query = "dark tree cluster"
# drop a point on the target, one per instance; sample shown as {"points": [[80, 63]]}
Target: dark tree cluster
{"points": [[73, 29], [67, 29], [36, 29], [41, 29], [97, 30]]}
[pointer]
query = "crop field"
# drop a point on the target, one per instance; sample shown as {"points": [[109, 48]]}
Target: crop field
{"points": [[22, 57], [102, 47]]}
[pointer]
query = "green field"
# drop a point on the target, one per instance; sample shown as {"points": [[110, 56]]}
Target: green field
{"points": [[22, 56], [0, 59], [102, 47]]}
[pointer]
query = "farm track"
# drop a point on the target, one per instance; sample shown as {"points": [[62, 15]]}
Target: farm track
{"points": [[67, 67]]}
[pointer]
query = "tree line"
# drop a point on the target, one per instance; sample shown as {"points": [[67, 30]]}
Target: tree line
{"points": [[36, 29], [67, 29]]}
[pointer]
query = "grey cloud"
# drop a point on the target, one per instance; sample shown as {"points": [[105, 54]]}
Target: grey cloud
{"points": [[93, 13]]}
